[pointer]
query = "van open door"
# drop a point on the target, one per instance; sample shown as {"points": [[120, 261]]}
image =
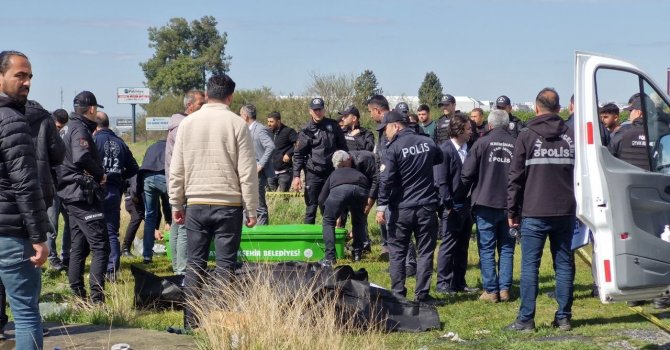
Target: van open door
{"points": [[625, 206]]}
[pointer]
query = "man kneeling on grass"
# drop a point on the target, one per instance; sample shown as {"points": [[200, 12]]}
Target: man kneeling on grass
{"points": [[346, 188]]}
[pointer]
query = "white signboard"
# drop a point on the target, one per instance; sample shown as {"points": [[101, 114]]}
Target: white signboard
{"points": [[133, 95], [157, 123], [124, 122]]}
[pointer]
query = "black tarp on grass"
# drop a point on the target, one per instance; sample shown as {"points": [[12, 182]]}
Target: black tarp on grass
{"points": [[357, 300]]}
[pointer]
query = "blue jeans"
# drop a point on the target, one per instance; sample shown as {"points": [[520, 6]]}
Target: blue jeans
{"points": [[534, 233], [23, 283], [155, 190], [53, 213], [112, 211], [493, 234], [178, 248]]}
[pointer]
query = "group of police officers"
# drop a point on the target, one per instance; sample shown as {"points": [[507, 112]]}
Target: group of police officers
{"points": [[434, 178]]}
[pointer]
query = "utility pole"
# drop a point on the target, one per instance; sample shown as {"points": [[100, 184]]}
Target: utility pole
{"points": [[62, 103]]}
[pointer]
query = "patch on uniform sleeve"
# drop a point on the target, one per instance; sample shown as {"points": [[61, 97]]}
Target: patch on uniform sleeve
{"points": [[83, 143], [382, 168], [512, 125]]}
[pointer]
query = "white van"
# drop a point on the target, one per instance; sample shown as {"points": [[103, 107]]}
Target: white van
{"points": [[626, 207]]}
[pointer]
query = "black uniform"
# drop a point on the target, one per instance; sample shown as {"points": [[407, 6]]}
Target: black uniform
{"points": [[119, 165], [630, 145], [363, 141], [407, 188], [284, 138], [442, 130], [515, 125], [313, 152], [79, 187]]}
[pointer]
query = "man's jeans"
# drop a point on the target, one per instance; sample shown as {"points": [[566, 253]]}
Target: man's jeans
{"points": [[23, 283], [112, 211], [53, 212], [494, 236], [204, 224], [155, 190], [178, 248], [341, 198], [534, 233]]}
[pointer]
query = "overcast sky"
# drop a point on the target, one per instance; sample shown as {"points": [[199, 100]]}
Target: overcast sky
{"points": [[478, 48]]}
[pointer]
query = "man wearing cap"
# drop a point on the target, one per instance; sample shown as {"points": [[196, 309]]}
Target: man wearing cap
{"points": [[358, 138], [630, 143], [515, 124], [407, 189], [403, 108], [80, 187], [119, 165], [317, 141], [448, 106]]}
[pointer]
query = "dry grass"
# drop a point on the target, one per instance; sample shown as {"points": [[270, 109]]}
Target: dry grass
{"points": [[255, 313]]}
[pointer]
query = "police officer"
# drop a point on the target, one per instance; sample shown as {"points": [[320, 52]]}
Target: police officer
{"points": [[407, 188], [448, 106], [357, 138], [317, 141], [630, 143], [515, 124], [80, 179], [119, 165], [484, 174]]}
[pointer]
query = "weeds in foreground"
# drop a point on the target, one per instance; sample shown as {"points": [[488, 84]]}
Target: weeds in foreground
{"points": [[257, 313]]}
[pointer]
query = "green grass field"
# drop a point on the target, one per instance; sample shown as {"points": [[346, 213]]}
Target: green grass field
{"points": [[478, 324]]}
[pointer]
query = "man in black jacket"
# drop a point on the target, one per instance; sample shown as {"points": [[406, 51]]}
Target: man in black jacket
{"points": [[456, 227], [80, 186], [346, 189], [61, 117], [630, 144], [407, 188], [358, 138], [284, 138], [120, 165], [317, 142], [484, 174], [515, 124], [50, 151], [22, 209], [541, 178]]}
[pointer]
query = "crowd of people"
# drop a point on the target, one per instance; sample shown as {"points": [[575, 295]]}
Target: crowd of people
{"points": [[430, 180]]}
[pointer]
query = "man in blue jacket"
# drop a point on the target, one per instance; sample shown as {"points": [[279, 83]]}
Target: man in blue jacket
{"points": [[119, 165], [407, 188]]}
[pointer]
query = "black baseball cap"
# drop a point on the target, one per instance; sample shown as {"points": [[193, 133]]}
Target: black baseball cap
{"points": [[446, 99], [350, 110], [86, 99], [316, 103], [503, 101], [634, 103], [392, 117], [402, 107]]}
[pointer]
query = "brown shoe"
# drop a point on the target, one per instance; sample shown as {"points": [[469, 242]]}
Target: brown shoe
{"points": [[504, 295], [490, 297]]}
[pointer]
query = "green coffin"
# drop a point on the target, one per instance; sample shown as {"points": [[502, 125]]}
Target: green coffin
{"points": [[281, 243]]}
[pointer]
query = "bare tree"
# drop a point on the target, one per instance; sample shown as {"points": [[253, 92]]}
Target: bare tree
{"points": [[336, 89]]}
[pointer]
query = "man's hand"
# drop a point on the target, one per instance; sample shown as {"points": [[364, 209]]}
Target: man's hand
{"points": [[167, 227], [513, 222], [103, 180], [297, 184], [286, 158], [258, 168], [251, 221], [381, 219], [41, 253], [158, 235], [338, 223], [178, 217], [355, 132], [368, 206]]}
